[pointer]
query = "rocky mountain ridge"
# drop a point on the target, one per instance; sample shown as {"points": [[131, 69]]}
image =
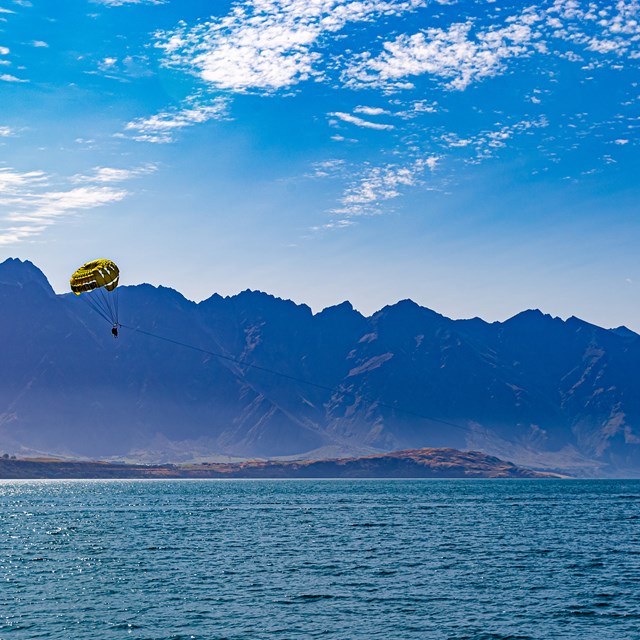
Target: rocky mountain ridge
{"points": [[543, 392]]}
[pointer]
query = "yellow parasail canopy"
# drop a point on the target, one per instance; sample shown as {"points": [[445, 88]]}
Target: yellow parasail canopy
{"points": [[94, 275]]}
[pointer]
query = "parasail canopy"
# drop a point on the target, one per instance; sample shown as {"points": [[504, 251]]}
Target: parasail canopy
{"points": [[94, 275], [96, 281]]}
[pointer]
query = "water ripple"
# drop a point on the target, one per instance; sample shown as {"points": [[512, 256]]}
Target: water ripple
{"points": [[341, 560]]}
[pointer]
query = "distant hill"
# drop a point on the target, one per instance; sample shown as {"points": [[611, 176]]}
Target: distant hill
{"points": [[543, 392], [418, 463]]}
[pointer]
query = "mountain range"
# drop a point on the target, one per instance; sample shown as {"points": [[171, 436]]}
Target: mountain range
{"points": [[252, 375]]}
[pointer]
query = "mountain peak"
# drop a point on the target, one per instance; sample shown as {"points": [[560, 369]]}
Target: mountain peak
{"points": [[407, 308], [339, 310], [623, 331], [533, 318], [253, 297], [528, 314], [18, 273]]}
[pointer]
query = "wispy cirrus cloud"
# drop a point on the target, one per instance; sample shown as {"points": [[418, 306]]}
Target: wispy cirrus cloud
{"points": [[377, 184], [369, 188], [12, 182], [125, 68], [32, 201], [105, 175], [44, 207], [487, 143], [162, 127], [327, 168], [120, 3], [360, 122]]}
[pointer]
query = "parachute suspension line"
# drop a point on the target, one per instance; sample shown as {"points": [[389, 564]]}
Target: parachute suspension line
{"points": [[244, 363], [109, 303], [100, 300], [116, 299], [94, 304], [101, 304]]}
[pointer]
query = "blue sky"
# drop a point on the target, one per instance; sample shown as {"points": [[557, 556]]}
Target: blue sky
{"points": [[478, 157]]}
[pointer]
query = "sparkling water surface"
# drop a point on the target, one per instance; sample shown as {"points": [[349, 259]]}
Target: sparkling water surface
{"points": [[392, 559]]}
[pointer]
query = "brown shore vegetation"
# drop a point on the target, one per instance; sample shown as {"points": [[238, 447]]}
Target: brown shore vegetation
{"points": [[410, 463]]}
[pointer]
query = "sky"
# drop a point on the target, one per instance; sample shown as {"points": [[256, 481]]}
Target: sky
{"points": [[477, 156]]}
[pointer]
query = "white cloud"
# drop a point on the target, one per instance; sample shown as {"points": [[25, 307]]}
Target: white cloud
{"points": [[161, 128], [359, 122], [464, 53], [4, 51], [621, 141], [415, 109], [267, 45], [107, 63], [486, 143], [5, 132], [612, 28], [41, 44], [378, 184], [6, 77], [371, 111], [455, 54]]}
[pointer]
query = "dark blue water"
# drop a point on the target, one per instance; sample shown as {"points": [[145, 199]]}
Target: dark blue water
{"points": [[344, 559]]}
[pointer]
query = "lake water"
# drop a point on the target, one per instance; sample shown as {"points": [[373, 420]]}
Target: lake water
{"points": [[335, 559]]}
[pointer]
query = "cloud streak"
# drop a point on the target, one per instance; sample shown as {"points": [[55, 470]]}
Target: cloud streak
{"points": [[161, 128], [120, 3], [32, 201], [360, 122], [377, 184]]}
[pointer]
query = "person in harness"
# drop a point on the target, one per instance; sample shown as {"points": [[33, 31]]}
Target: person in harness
{"points": [[114, 330]]}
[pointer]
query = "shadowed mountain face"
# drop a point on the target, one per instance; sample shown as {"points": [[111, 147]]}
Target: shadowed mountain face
{"points": [[547, 393]]}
